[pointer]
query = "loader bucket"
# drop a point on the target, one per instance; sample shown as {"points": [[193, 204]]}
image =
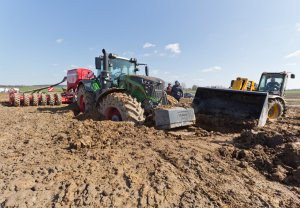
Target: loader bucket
{"points": [[234, 104]]}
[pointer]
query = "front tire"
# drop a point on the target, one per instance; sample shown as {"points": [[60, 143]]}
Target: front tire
{"points": [[276, 109], [121, 107], [85, 100]]}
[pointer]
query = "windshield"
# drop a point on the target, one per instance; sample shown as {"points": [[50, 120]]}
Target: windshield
{"points": [[121, 67], [271, 83], [117, 68]]}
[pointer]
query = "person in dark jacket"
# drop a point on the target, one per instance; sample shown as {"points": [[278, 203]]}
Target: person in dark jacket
{"points": [[177, 91]]}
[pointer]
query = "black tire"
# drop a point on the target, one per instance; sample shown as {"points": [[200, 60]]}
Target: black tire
{"points": [[26, 99], [58, 100], [171, 100], [51, 99], [276, 109], [17, 102], [35, 99], [85, 100], [43, 99], [119, 106]]}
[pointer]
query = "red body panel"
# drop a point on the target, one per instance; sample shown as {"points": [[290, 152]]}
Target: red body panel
{"points": [[74, 76]]}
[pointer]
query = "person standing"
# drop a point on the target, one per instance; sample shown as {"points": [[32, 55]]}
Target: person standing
{"points": [[177, 91], [169, 89]]}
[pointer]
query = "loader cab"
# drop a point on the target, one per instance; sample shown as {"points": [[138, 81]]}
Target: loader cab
{"points": [[273, 83]]}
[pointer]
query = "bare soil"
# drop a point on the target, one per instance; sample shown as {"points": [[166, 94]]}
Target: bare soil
{"points": [[51, 158]]}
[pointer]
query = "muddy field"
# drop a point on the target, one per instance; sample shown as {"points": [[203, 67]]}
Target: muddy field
{"points": [[50, 158]]}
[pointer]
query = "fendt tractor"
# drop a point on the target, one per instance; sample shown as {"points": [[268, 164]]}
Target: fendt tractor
{"points": [[120, 94]]}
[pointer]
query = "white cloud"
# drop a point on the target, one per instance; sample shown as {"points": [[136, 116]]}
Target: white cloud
{"points": [[59, 40], [148, 45], [297, 26], [294, 54], [212, 69], [173, 48]]}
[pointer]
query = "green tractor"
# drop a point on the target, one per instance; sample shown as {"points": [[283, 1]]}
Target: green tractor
{"points": [[120, 94]]}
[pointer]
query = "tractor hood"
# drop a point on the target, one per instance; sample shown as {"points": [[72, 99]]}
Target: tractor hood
{"points": [[145, 79]]}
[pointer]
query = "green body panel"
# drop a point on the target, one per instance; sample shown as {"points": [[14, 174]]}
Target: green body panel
{"points": [[136, 90]]}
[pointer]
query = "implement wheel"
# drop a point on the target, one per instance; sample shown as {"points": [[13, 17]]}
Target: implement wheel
{"points": [[57, 97], [51, 99], [35, 99], [26, 99], [43, 99], [121, 107], [17, 102], [275, 109], [85, 100]]}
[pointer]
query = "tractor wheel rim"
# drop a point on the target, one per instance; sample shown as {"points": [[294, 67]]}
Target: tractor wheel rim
{"points": [[82, 104], [274, 111], [114, 115]]}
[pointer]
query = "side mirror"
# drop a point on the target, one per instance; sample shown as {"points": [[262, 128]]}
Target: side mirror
{"points": [[136, 69], [292, 76], [146, 70], [98, 62]]}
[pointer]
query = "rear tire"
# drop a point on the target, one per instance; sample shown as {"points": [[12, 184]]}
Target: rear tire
{"points": [[121, 107], [276, 109], [171, 100], [85, 100], [26, 99], [35, 99], [51, 99]]}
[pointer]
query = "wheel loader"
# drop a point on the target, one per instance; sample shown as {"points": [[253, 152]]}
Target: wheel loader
{"points": [[119, 93], [272, 82]]}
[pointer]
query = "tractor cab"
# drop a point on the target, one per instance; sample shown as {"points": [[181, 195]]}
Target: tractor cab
{"points": [[121, 73], [274, 83]]}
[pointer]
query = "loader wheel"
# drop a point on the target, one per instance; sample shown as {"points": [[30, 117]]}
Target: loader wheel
{"points": [[17, 102], [57, 97], [43, 99], [35, 99], [26, 99], [275, 109], [85, 100], [51, 99], [121, 107], [171, 100]]}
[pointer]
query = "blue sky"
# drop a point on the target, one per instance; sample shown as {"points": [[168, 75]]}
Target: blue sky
{"points": [[196, 42]]}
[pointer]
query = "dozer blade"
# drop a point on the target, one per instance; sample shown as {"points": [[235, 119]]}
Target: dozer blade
{"points": [[234, 104], [169, 118]]}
